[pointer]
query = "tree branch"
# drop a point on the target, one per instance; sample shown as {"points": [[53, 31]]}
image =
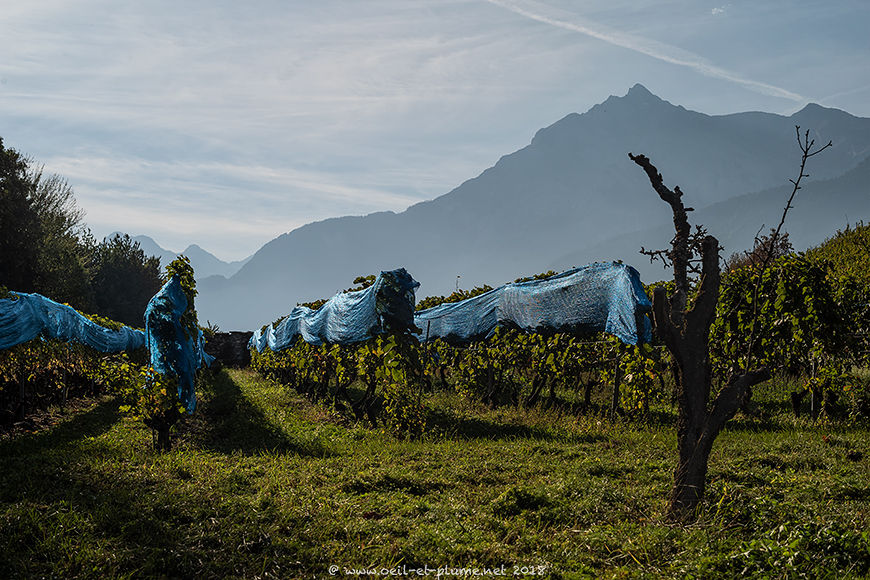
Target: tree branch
{"points": [[680, 255], [806, 147], [701, 316], [732, 397], [664, 326]]}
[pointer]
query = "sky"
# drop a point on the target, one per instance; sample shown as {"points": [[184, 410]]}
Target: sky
{"points": [[226, 124]]}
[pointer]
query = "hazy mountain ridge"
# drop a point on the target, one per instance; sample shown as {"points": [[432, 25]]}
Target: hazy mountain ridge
{"points": [[570, 188], [820, 208], [204, 263]]}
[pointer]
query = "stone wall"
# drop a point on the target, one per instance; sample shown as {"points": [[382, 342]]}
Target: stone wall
{"points": [[230, 348]]}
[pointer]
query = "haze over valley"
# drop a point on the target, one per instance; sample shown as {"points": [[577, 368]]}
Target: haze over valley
{"points": [[571, 197]]}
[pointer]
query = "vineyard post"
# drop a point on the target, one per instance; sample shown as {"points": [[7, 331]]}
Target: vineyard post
{"points": [[65, 388], [617, 378], [426, 351], [814, 392], [21, 412]]}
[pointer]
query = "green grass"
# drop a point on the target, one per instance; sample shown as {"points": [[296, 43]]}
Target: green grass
{"points": [[261, 483]]}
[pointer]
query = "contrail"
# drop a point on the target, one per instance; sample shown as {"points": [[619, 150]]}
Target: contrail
{"points": [[652, 48], [845, 93]]}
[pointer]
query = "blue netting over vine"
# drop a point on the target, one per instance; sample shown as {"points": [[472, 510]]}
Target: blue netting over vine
{"points": [[605, 297], [203, 358], [27, 316], [173, 352], [347, 317]]}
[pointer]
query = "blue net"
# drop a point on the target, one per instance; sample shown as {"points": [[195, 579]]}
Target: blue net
{"points": [[598, 297], [27, 316], [173, 352], [347, 317], [203, 358]]}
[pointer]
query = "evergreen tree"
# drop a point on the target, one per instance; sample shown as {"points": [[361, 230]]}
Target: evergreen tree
{"points": [[20, 229], [123, 279]]}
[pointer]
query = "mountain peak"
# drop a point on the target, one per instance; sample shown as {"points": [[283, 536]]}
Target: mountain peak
{"points": [[204, 262], [638, 91], [564, 194], [637, 97], [638, 100], [815, 110]]}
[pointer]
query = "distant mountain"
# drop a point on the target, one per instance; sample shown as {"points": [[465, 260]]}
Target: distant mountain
{"points": [[150, 247], [570, 188], [820, 209], [204, 263]]}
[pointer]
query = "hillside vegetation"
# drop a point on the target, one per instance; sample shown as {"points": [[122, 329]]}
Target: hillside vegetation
{"points": [[848, 251], [46, 248]]}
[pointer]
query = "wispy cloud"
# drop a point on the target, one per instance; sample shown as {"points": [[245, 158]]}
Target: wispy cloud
{"points": [[649, 47], [218, 124], [855, 91], [244, 202]]}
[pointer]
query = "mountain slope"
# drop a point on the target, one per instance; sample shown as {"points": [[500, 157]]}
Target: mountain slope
{"points": [[820, 209], [204, 263], [151, 248], [572, 186]]}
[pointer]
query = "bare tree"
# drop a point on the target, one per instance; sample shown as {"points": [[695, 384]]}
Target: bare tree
{"points": [[685, 330], [759, 252]]}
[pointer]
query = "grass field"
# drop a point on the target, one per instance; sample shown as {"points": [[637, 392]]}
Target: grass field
{"points": [[263, 484]]}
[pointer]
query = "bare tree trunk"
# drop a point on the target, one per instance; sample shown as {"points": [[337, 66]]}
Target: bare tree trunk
{"points": [[698, 424], [162, 424], [364, 405], [587, 394], [538, 382], [164, 443], [686, 331]]}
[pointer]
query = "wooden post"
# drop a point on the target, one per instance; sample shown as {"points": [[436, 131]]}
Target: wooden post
{"points": [[423, 369], [617, 379], [21, 411], [815, 395]]}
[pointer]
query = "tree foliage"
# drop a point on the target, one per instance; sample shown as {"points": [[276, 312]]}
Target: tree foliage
{"points": [[181, 267], [797, 318], [46, 248], [124, 279], [848, 252], [20, 227], [65, 244], [848, 255]]}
